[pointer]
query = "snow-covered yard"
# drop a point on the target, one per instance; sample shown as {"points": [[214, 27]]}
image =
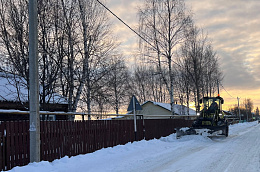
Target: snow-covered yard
{"points": [[239, 152]]}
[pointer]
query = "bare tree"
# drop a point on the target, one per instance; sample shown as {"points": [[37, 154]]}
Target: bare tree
{"points": [[98, 45], [118, 83], [248, 105], [149, 84], [200, 65], [183, 86], [246, 109], [257, 112], [109, 91], [162, 24], [48, 69], [14, 36], [75, 45], [141, 86]]}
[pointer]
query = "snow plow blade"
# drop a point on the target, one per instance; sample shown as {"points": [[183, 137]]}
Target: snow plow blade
{"points": [[208, 132], [184, 131]]}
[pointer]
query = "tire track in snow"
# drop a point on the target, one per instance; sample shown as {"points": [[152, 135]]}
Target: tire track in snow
{"points": [[239, 152]]}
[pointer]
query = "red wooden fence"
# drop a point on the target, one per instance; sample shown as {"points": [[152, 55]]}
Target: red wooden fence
{"points": [[61, 138]]}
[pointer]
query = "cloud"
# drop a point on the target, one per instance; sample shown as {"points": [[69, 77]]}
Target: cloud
{"points": [[233, 27], [127, 11]]}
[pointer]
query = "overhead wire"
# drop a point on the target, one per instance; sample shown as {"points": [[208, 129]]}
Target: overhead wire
{"points": [[132, 29], [125, 23], [139, 35], [144, 38], [227, 91]]}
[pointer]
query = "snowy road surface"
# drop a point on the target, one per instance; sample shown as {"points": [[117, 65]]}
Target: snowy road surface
{"points": [[240, 152]]}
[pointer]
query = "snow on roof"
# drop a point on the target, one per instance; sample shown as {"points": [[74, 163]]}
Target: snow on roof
{"points": [[13, 88], [177, 108]]}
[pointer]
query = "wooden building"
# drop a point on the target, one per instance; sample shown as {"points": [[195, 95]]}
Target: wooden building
{"points": [[14, 96]]}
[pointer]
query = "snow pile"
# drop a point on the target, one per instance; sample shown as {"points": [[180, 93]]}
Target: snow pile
{"points": [[165, 154], [240, 128]]}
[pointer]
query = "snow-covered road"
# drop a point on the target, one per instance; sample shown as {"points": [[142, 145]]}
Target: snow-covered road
{"points": [[239, 152]]}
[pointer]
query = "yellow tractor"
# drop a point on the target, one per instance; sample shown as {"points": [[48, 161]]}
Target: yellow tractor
{"points": [[210, 121]]}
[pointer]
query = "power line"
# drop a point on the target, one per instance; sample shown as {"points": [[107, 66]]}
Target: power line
{"points": [[227, 92], [125, 23], [133, 30], [145, 39]]}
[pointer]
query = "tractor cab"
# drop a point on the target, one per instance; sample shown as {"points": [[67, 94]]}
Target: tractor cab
{"points": [[212, 104], [211, 112]]}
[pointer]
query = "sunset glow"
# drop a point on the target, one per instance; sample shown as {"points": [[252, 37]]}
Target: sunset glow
{"points": [[233, 28]]}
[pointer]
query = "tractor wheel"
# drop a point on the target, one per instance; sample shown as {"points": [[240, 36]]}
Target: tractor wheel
{"points": [[226, 132]]}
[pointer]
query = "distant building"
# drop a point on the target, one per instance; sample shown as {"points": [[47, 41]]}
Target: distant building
{"points": [[14, 96], [156, 110]]}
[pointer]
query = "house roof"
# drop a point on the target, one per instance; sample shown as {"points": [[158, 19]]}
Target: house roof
{"points": [[11, 85], [177, 108]]}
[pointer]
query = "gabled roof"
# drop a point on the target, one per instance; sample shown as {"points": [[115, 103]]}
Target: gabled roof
{"points": [[177, 108], [11, 85]]}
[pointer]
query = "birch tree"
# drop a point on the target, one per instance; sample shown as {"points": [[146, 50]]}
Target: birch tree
{"points": [[118, 83], [162, 24], [200, 65]]}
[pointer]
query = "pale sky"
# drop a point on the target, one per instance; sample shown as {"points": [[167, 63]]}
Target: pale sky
{"points": [[233, 26]]}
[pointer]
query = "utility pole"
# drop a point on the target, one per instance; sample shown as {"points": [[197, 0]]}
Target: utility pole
{"points": [[239, 109], [246, 113], [34, 84], [218, 86]]}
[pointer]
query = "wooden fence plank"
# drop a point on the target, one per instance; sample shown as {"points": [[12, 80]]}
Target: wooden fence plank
{"points": [[59, 139], [24, 143], [68, 140], [42, 140], [2, 138], [62, 138], [27, 137], [16, 159], [88, 136], [8, 145], [47, 143], [52, 140], [20, 142], [12, 147]]}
